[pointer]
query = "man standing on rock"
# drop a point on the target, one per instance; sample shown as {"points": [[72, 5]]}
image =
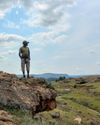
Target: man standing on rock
{"points": [[24, 54]]}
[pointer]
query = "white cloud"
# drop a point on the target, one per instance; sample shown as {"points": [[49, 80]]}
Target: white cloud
{"points": [[10, 38], [2, 57], [5, 6], [26, 3], [54, 13], [53, 16], [40, 6], [5, 54], [2, 14], [8, 52], [8, 45], [61, 38], [43, 38], [50, 12]]}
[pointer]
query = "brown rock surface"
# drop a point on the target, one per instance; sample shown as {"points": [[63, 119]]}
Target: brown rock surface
{"points": [[30, 94], [5, 118], [94, 122]]}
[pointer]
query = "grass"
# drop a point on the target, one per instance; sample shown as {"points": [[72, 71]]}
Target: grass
{"points": [[78, 102], [20, 117], [81, 101]]}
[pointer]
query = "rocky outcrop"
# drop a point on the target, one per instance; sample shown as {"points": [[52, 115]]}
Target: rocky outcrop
{"points": [[29, 94], [5, 118]]}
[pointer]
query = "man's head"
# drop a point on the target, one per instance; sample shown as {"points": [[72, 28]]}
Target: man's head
{"points": [[25, 43]]}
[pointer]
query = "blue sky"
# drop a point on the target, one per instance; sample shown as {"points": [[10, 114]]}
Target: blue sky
{"points": [[63, 34]]}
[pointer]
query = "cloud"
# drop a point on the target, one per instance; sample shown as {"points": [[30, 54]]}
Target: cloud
{"points": [[8, 52], [52, 16], [43, 38], [8, 45], [5, 6], [10, 38], [50, 12], [4, 55], [92, 51], [53, 11], [26, 3], [49, 37], [98, 63], [62, 38]]}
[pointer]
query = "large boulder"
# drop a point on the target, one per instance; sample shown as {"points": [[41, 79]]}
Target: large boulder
{"points": [[29, 94]]}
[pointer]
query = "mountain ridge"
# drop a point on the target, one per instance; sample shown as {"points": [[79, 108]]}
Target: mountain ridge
{"points": [[50, 75]]}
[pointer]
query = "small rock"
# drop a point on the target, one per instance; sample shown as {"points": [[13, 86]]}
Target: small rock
{"points": [[78, 120], [67, 90], [94, 122], [75, 86], [38, 118], [55, 115], [65, 103]]}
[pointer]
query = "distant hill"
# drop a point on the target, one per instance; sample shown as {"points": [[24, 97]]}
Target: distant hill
{"points": [[50, 76]]}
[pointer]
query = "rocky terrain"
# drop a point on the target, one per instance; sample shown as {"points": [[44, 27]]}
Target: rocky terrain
{"points": [[33, 95], [73, 101], [78, 103]]}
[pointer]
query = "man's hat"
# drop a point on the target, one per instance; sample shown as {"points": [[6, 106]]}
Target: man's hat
{"points": [[25, 42]]}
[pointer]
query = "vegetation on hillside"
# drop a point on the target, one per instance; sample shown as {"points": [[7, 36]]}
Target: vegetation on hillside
{"points": [[76, 104]]}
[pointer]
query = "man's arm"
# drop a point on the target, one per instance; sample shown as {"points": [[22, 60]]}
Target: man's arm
{"points": [[29, 53], [20, 55]]}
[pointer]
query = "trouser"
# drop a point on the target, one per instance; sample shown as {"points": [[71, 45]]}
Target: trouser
{"points": [[25, 62]]}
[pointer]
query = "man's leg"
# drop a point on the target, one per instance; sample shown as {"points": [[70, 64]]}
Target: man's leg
{"points": [[23, 67], [28, 67]]}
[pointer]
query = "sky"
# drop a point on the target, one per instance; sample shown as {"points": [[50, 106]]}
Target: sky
{"points": [[63, 35]]}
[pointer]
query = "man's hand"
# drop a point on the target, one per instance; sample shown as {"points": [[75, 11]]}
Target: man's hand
{"points": [[20, 56]]}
